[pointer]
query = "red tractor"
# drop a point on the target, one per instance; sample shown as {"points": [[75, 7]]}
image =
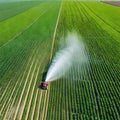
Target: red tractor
{"points": [[44, 85]]}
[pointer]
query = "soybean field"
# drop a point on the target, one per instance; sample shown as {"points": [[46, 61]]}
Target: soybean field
{"points": [[30, 35]]}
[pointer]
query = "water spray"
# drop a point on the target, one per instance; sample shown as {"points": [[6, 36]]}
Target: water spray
{"points": [[70, 55]]}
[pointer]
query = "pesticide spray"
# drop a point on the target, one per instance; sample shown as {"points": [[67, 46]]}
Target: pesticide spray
{"points": [[71, 57]]}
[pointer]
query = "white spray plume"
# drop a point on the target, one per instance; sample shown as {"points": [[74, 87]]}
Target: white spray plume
{"points": [[71, 54]]}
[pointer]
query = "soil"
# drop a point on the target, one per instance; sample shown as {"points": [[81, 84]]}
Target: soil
{"points": [[115, 3]]}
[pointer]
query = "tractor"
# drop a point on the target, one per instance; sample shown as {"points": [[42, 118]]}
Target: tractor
{"points": [[44, 85]]}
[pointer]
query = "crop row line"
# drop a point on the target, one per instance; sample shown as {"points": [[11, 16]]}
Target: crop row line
{"points": [[25, 28]]}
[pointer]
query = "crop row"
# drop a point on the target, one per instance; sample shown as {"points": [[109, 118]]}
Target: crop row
{"points": [[21, 95], [8, 10], [95, 94], [20, 23]]}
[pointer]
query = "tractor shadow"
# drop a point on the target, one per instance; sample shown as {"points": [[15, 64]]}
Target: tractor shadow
{"points": [[44, 74], [43, 77]]}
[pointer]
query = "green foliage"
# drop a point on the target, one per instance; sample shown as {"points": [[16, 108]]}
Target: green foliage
{"points": [[8, 10], [94, 96], [21, 65], [15, 26]]}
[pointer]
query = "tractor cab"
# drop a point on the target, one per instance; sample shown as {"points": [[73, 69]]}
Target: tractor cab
{"points": [[44, 85]]}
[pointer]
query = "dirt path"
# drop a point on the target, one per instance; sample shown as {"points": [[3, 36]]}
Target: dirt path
{"points": [[45, 107], [54, 35], [115, 3]]}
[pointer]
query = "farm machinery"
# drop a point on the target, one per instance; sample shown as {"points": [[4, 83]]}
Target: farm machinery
{"points": [[44, 85]]}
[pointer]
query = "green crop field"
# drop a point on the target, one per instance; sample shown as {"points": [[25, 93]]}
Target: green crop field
{"points": [[30, 34]]}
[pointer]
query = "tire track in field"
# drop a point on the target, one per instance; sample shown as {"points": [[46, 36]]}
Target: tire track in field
{"points": [[42, 92], [28, 73], [28, 89], [28, 109], [55, 31], [20, 114], [41, 117], [44, 114], [10, 108], [32, 92], [18, 105], [43, 110], [40, 100], [5, 104], [36, 76], [29, 26], [33, 111], [45, 107], [19, 59], [37, 112], [34, 105], [18, 88], [18, 34]]}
